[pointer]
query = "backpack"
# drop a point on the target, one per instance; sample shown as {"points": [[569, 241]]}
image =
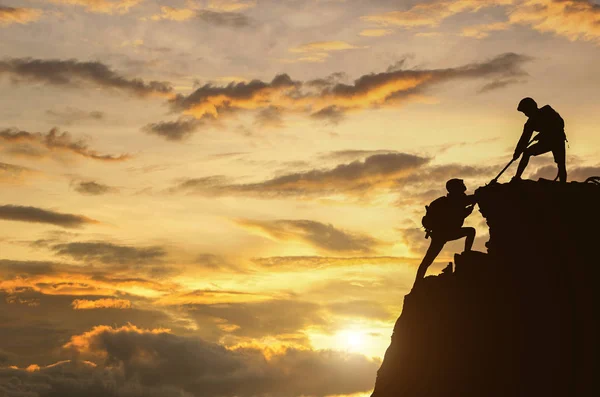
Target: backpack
{"points": [[436, 216], [552, 124]]}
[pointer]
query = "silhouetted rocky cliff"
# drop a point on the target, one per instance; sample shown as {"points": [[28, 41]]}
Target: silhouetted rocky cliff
{"points": [[518, 321]]}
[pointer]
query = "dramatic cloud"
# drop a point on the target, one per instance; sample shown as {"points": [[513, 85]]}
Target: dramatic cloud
{"points": [[431, 13], [72, 73], [92, 188], [573, 19], [41, 145], [161, 360], [71, 115], [110, 253], [102, 6], [10, 15], [319, 235], [328, 98], [174, 130], [358, 177], [38, 215], [84, 304]]}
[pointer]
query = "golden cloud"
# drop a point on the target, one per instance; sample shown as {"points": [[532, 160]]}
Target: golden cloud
{"points": [[102, 6], [318, 51], [174, 14], [431, 14], [10, 15], [376, 32], [85, 342], [323, 46], [573, 19], [389, 88], [107, 303], [231, 5]]}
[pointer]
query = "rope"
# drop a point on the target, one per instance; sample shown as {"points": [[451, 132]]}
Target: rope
{"points": [[594, 180]]}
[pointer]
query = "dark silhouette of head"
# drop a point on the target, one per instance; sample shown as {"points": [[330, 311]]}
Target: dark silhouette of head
{"points": [[456, 186], [528, 106]]}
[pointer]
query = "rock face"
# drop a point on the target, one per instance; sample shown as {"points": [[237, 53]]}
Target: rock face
{"points": [[520, 320]]}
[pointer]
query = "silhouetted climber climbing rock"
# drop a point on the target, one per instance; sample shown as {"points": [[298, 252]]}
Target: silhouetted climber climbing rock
{"points": [[521, 320], [444, 222], [551, 137]]}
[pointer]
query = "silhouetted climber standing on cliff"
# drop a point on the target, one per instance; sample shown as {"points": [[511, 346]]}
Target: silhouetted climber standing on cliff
{"points": [[551, 137], [444, 222]]}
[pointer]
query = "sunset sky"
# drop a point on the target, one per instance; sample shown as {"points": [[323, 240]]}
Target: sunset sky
{"points": [[223, 197]]}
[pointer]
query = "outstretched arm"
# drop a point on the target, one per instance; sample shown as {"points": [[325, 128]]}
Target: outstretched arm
{"points": [[524, 141]]}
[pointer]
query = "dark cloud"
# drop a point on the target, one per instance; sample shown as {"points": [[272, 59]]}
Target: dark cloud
{"points": [[39, 145], [319, 235], [357, 177], [71, 115], [75, 379], [73, 73], [177, 130], [221, 18], [93, 188], [38, 215], [109, 253], [37, 323]]}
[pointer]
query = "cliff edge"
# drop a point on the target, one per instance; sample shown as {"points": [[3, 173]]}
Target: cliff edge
{"points": [[519, 320]]}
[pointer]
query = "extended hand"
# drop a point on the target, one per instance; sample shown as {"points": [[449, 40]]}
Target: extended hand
{"points": [[516, 155]]}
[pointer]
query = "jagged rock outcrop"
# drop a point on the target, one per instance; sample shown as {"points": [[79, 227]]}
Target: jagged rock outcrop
{"points": [[520, 320]]}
